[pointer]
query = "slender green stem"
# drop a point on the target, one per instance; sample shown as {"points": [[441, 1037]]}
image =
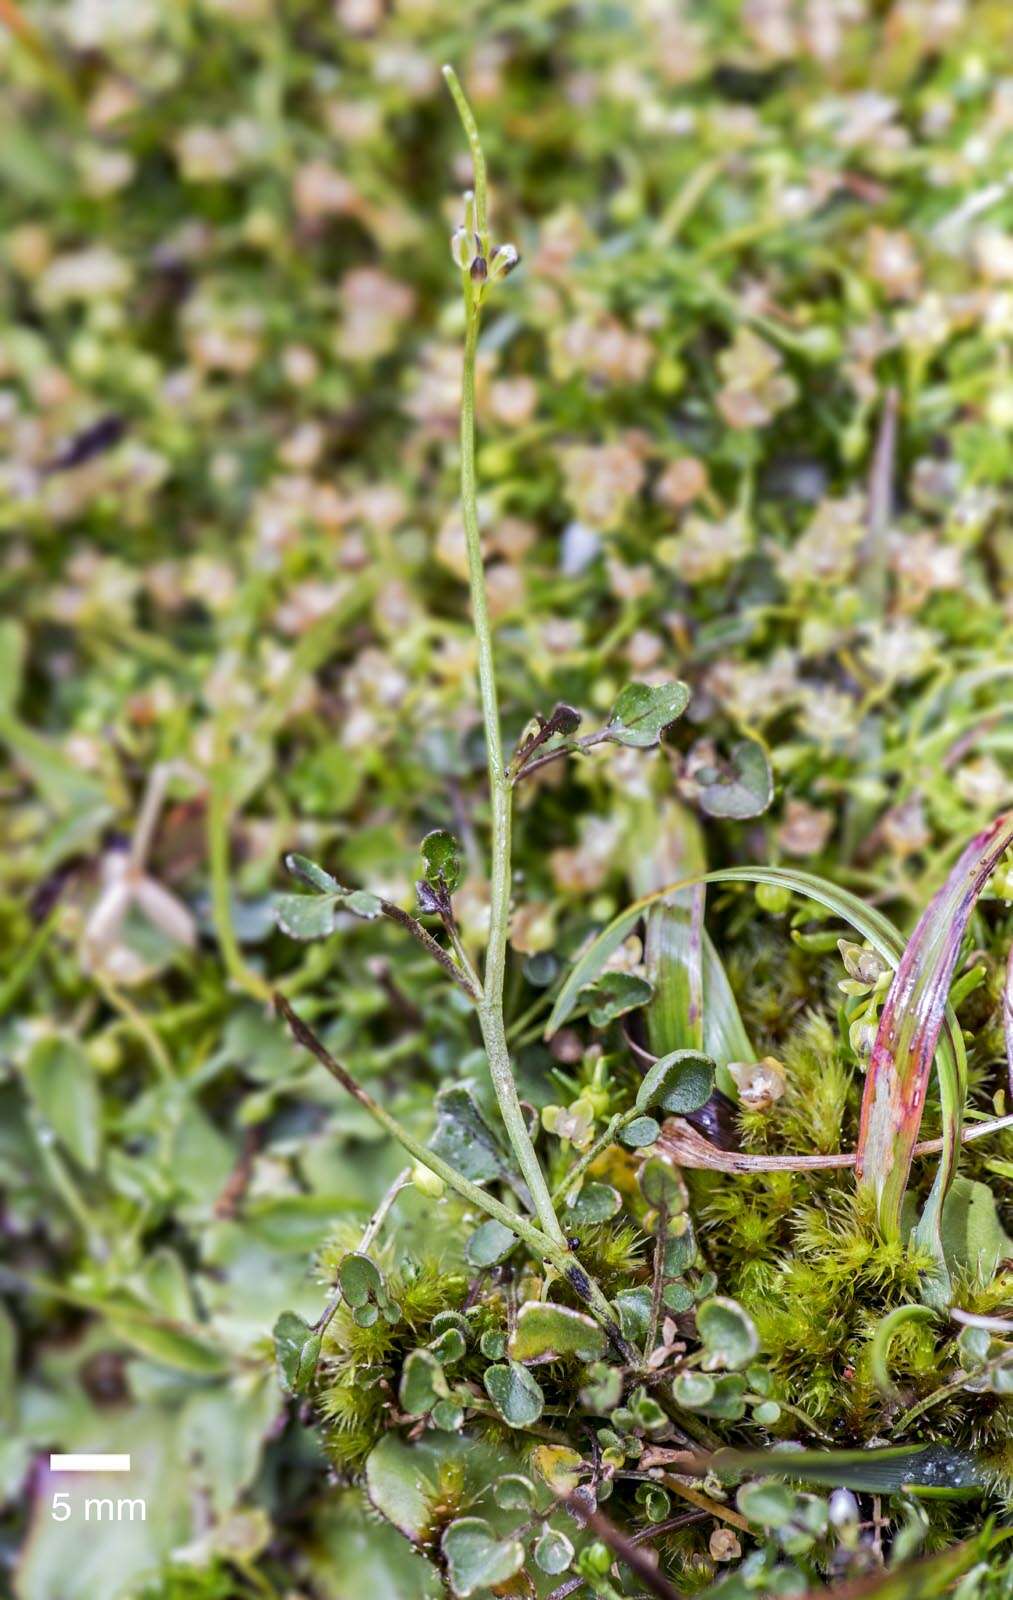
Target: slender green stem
{"points": [[463, 957], [22, 969], [218, 816], [369, 1234], [521, 1024], [138, 1023], [490, 1006], [947, 1389], [469, 1191], [557, 1254], [470, 126], [614, 1126], [62, 1181]]}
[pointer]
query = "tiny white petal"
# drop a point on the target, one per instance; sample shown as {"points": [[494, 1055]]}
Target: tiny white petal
{"points": [[167, 913]]}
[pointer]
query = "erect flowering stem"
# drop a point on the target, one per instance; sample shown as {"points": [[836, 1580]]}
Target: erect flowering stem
{"points": [[490, 1004], [470, 127], [455, 1180], [556, 1253]]}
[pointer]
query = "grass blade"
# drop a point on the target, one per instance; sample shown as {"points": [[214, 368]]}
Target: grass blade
{"points": [[693, 1006], [910, 1027], [884, 938], [867, 921], [884, 1471]]}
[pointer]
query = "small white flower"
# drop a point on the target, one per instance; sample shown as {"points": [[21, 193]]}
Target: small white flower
{"points": [[759, 1083], [126, 886]]}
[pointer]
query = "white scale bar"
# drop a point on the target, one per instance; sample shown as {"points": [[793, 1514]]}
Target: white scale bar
{"points": [[89, 1463]]}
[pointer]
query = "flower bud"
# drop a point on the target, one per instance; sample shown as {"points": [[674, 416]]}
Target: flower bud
{"points": [[842, 1509], [503, 260], [427, 1182], [479, 269], [865, 965], [463, 248], [862, 1036]]}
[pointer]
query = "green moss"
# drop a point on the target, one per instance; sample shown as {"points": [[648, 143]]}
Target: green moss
{"points": [[613, 1252], [359, 1369]]}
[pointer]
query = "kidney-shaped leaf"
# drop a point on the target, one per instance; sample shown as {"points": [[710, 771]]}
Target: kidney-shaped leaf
{"points": [[643, 711], [514, 1393], [360, 1280], [297, 1347], [553, 1552], [422, 1383], [727, 1331], [613, 995], [544, 1330], [740, 787], [476, 1559], [680, 1082]]}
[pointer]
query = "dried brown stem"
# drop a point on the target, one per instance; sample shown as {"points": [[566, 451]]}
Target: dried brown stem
{"points": [[690, 1149], [432, 946], [626, 1550]]}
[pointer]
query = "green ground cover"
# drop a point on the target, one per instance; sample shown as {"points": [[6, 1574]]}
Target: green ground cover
{"points": [[731, 545]]}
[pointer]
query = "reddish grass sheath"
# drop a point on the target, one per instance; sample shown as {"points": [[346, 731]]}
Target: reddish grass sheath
{"points": [[910, 1025]]}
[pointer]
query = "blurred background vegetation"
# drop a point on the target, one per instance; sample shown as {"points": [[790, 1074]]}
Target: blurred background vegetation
{"points": [[745, 417]]}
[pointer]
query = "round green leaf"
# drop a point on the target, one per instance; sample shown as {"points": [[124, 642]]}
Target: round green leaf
{"points": [[544, 1329], [306, 916], [741, 787], [602, 1388], [490, 1243], [513, 1492], [363, 904], [359, 1279], [662, 1186], [553, 1552], [677, 1296], [634, 1307], [596, 1202], [476, 1559], [639, 1133], [514, 1393], [727, 1332], [766, 1502], [448, 1346], [422, 1383], [692, 1390], [680, 1249], [448, 1415], [613, 995], [297, 1348], [643, 711], [680, 1082]]}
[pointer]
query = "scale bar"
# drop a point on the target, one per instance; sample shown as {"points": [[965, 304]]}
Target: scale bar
{"points": [[89, 1463]]}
